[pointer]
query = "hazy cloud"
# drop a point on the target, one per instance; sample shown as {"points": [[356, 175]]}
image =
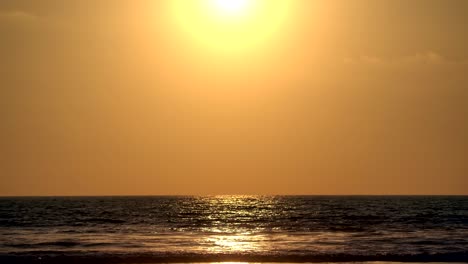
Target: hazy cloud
{"points": [[429, 58], [16, 16]]}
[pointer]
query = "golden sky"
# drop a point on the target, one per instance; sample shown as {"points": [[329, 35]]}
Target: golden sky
{"points": [[141, 97]]}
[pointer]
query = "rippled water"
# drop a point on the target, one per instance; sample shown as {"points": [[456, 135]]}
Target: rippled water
{"points": [[234, 228]]}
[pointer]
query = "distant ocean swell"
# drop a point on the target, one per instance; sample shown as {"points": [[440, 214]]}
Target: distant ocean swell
{"points": [[233, 229]]}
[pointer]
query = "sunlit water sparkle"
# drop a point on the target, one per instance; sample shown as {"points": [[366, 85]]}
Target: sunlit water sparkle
{"points": [[241, 228]]}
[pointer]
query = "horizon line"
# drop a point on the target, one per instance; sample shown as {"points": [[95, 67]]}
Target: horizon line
{"points": [[208, 195]]}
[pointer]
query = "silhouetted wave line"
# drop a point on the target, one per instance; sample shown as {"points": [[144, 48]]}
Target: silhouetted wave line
{"points": [[57, 257]]}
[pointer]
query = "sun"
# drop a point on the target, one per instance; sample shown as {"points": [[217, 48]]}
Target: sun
{"points": [[229, 26], [230, 11], [231, 7]]}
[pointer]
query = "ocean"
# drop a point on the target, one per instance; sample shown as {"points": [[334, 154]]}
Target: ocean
{"points": [[181, 229]]}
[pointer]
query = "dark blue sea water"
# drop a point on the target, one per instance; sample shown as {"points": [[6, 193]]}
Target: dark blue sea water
{"points": [[233, 228]]}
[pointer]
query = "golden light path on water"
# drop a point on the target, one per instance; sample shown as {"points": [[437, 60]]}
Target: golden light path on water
{"points": [[236, 243], [238, 240], [237, 226], [233, 230]]}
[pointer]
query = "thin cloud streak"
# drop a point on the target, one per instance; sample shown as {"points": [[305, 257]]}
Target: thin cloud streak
{"points": [[17, 16], [429, 58]]}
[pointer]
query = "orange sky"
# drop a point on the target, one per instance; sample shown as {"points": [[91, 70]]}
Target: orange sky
{"points": [[125, 97]]}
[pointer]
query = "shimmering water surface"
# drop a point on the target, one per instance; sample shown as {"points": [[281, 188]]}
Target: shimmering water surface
{"points": [[234, 228]]}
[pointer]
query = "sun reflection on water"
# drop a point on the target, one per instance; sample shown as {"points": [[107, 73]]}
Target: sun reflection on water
{"points": [[234, 238], [231, 263], [235, 243]]}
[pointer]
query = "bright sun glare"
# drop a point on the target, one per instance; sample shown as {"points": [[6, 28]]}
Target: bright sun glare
{"points": [[231, 7], [230, 25]]}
